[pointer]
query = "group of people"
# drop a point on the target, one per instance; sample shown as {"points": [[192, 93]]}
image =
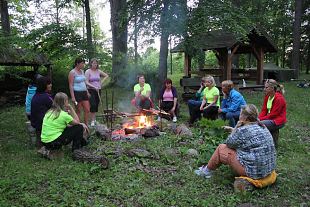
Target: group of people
{"points": [[250, 148], [55, 121]]}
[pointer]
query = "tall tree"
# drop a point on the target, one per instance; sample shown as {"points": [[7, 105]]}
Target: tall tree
{"points": [[119, 23], [90, 48], [296, 37], [5, 18]]}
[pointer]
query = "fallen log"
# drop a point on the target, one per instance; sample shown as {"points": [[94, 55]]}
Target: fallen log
{"points": [[83, 155]]}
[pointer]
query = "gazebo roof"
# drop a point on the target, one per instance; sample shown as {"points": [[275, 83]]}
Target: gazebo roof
{"points": [[22, 57], [219, 39]]}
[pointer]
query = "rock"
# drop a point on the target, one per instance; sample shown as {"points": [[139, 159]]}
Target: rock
{"points": [[192, 153], [241, 185], [103, 132], [171, 152], [183, 130]]}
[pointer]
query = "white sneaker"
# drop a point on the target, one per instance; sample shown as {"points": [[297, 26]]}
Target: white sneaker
{"points": [[92, 124], [174, 119]]}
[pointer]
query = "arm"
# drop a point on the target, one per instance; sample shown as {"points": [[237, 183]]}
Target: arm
{"points": [[203, 103], [234, 139], [275, 111], [75, 117], [213, 103], [71, 79], [104, 75], [264, 110]]}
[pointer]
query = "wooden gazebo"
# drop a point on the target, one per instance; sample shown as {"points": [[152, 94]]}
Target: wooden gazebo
{"points": [[22, 57], [226, 45]]}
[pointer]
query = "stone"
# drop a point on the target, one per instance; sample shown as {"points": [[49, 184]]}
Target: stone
{"points": [[242, 185], [192, 153]]}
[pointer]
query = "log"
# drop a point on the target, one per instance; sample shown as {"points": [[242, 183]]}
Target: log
{"points": [[103, 132], [83, 155]]}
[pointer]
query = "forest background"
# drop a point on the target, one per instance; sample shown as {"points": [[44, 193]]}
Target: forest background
{"points": [[65, 29]]}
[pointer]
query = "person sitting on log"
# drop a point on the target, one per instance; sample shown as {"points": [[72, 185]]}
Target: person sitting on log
{"points": [[211, 99], [231, 104], [248, 150], [61, 125], [142, 92], [194, 104], [273, 113], [41, 102], [168, 99]]}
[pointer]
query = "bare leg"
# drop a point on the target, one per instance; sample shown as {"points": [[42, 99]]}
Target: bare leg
{"points": [[85, 105]]}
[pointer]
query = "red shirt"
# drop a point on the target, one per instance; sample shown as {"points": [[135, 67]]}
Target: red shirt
{"points": [[277, 111]]}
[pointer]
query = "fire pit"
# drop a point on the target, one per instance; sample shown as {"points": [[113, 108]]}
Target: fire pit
{"points": [[136, 127]]}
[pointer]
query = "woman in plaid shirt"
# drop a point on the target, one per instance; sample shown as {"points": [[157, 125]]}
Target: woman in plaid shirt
{"points": [[248, 150]]}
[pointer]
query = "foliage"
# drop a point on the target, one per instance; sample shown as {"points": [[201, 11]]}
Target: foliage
{"points": [[29, 180]]}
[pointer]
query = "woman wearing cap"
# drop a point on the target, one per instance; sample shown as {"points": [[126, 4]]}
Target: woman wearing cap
{"points": [[273, 113], [78, 90], [94, 80]]}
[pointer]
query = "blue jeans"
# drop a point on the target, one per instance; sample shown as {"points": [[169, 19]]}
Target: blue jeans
{"points": [[232, 117], [271, 126], [194, 110]]}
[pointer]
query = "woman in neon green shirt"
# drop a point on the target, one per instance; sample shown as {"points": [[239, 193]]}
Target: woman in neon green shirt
{"points": [[211, 99], [61, 125]]}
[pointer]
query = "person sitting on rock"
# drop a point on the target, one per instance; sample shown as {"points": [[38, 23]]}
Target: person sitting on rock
{"points": [[211, 99], [273, 113], [194, 104], [231, 104], [168, 99], [249, 149], [41, 102], [142, 92], [61, 125]]}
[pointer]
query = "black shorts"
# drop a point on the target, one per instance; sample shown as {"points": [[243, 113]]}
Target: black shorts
{"points": [[80, 96]]}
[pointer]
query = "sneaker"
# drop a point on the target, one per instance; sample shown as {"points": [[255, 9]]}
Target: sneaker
{"points": [[159, 118], [92, 124], [203, 172], [174, 119]]}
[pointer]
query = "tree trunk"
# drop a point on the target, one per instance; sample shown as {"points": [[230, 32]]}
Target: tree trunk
{"points": [[283, 51], [163, 53], [296, 37], [308, 59], [119, 37], [136, 40], [5, 18], [90, 50]]}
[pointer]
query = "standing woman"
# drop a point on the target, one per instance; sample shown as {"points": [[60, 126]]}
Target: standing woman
{"points": [[94, 80], [273, 113], [211, 99], [78, 90], [168, 99]]}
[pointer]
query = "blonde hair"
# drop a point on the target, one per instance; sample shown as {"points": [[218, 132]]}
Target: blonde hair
{"points": [[59, 104], [211, 79], [228, 83], [250, 114], [93, 60], [275, 85]]}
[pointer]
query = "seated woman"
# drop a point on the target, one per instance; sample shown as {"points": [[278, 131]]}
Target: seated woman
{"points": [[61, 125], [249, 149], [41, 102], [194, 104], [211, 99], [231, 104], [273, 113], [168, 99], [142, 92]]}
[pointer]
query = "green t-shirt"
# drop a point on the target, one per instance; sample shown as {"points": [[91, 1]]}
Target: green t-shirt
{"points": [[146, 88], [209, 95], [53, 128], [269, 103]]}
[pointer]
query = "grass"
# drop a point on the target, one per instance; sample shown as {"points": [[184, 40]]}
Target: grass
{"points": [[165, 179]]}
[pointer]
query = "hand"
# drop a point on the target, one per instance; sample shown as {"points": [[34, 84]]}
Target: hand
{"points": [[220, 110], [88, 94], [228, 128], [201, 108], [172, 110], [85, 127]]}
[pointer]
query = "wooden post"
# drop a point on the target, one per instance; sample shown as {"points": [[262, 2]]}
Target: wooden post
{"points": [[187, 65], [49, 71], [260, 66], [230, 54]]}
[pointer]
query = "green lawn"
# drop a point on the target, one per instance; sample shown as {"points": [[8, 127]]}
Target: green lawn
{"points": [[164, 179]]}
